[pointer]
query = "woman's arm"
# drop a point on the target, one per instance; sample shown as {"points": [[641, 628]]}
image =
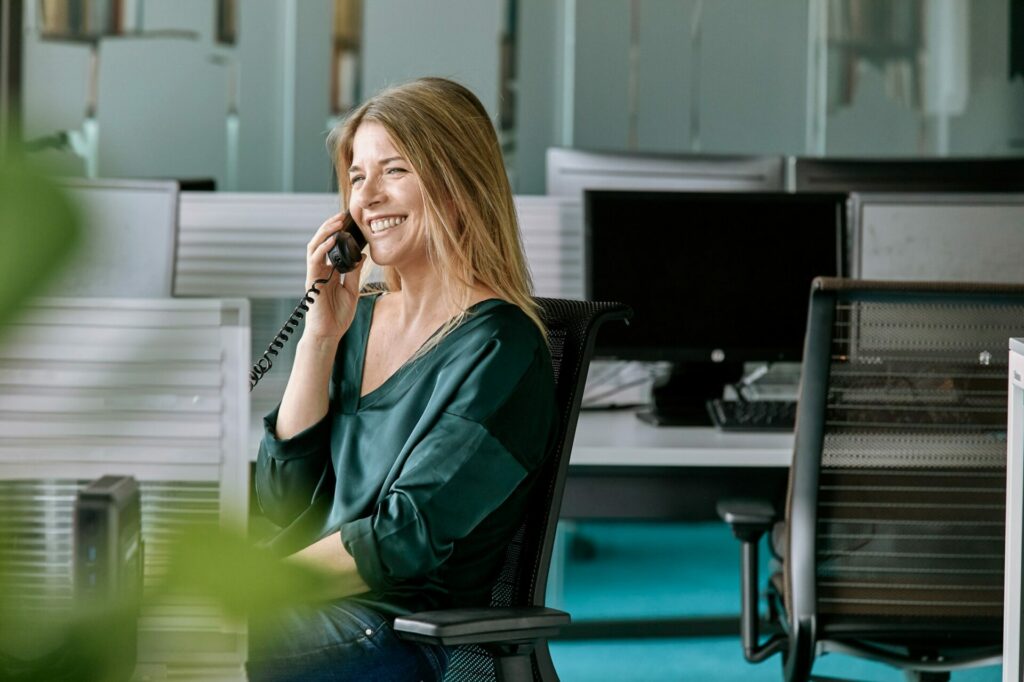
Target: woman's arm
{"points": [[306, 396], [294, 454], [329, 556], [328, 318]]}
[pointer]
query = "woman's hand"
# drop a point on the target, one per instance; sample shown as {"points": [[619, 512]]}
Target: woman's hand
{"points": [[331, 315]]}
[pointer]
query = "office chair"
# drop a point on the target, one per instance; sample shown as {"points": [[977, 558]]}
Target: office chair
{"points": [[508, 640], [892, 548]]}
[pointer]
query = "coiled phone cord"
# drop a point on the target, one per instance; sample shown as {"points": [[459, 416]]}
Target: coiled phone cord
{"points": [[264, 364]]}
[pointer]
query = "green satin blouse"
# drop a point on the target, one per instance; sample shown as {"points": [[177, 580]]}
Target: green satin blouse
{"points": [[426, 476]]}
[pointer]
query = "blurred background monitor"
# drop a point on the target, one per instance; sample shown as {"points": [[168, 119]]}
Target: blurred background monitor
{"points": [[715, 280], [571, 171], [197, 184], [908, 175], [128, 245], [955, 237]]}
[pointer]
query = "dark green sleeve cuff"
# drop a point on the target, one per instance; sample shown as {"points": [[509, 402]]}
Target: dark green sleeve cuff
{"points": [[314, 440]]}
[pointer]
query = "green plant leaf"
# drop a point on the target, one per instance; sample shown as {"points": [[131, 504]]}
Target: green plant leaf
{"points": [[40, 230]]}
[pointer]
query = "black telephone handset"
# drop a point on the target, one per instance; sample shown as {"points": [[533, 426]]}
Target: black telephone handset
{"points": [[348, 249], [344, 256]]}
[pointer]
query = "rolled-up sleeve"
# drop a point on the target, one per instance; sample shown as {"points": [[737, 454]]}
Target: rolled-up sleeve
{"points": [[455, 477], [289, 471]]}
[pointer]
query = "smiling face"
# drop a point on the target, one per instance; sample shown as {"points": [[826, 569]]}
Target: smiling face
{"points": [[386, 199]]}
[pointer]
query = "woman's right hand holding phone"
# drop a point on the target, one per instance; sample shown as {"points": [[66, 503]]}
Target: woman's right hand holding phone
{"points": [[330, 316]]}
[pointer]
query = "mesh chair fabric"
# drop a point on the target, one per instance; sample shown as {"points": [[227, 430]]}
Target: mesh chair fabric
{"points": [[912, 480], [522, 580]]}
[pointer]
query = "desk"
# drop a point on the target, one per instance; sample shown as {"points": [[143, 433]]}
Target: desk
{"points": [[623, 468]]}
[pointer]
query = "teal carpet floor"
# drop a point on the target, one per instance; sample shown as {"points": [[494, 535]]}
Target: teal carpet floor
{"points": [[669, 571]]}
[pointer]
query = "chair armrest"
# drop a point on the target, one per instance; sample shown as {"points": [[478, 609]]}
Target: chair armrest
{"points": [[748, 518], [489, 625]]}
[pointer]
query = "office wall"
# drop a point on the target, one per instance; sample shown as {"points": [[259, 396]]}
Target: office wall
{"points": [[762, 87], [890, 115], [744, 78], [742, 88], [540, 77], [993, 120], [457, 39]]}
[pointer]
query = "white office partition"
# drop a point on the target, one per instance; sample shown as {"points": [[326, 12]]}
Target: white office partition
{"points": [[552, 229], [247, 244], [1013, 619], [152, 388], [571, 171], [128, 234], [253, 244], [953, 237]]}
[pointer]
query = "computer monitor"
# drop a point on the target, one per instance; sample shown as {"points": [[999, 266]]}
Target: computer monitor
{"points": [[908, 175], [714, 279]]}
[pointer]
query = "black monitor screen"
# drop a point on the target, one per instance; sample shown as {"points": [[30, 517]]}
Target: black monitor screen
{"points": [[710, 276]]}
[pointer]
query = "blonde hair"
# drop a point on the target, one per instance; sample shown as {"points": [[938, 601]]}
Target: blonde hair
{"points": [[472, 233]]}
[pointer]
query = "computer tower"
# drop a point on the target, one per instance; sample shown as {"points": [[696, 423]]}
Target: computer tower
{"points": [[108, 553], [108, 561]]}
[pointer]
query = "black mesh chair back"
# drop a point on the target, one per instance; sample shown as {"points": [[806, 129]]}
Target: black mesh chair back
{"points": [[897, 491], [572, 327]]}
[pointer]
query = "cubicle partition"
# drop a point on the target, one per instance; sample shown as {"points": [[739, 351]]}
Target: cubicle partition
{"points": [[571, 171], [938, 236], [247, 244], [152, 388], [128, 239], [552, 229]]}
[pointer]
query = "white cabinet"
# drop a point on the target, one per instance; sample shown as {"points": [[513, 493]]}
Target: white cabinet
{"points": [[1013, 670]]}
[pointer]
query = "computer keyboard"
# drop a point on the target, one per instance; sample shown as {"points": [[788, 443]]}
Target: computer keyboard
{"points": [[753, 415]]}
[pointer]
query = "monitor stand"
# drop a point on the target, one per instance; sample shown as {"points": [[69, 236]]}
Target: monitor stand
{"points": [[680, 399]]}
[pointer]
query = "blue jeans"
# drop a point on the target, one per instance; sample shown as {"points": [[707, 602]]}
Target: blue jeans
{"points": [[337, 640]]}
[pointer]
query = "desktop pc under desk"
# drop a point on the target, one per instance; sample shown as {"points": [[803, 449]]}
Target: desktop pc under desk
{"points": [[625, 469]]}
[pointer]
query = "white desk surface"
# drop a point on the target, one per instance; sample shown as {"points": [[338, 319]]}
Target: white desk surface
{"points": [[618, 438]]}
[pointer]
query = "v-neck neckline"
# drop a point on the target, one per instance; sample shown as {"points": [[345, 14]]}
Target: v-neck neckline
{"points": [[362, 401]]}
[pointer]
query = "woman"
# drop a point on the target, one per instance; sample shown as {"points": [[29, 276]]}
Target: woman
{"points": [[406, 442]]}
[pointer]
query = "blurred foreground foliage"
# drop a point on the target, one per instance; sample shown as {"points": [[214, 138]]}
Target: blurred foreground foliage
{"points": [[40, 230], [91, 641]]}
